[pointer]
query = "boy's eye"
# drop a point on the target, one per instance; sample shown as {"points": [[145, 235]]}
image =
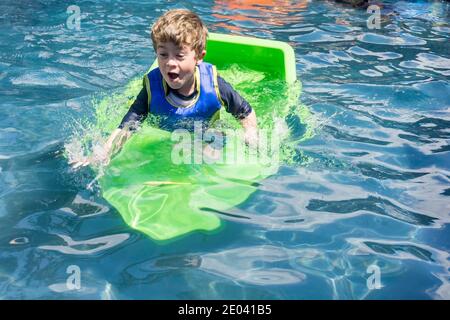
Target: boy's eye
{"points": [[163, 54], [180, 55]]}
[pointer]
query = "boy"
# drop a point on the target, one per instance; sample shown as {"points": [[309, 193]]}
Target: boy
{"points": [[183, 88]]}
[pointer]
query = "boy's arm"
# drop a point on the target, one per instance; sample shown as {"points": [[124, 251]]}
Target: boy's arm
{"points": [[103, 154], [240, 109], [250, 126], [136, 114], [116, 141]]}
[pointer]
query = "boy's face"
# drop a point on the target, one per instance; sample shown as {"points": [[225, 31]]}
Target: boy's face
{"points": [[177, 65]]}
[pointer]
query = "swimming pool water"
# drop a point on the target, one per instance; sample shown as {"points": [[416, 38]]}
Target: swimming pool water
{"points": [[368, 191]]}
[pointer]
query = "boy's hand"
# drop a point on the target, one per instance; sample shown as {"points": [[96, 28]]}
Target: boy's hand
{"points": [[250, 126], [75, 164], [102, 155], [251, 137], [97, 158]]}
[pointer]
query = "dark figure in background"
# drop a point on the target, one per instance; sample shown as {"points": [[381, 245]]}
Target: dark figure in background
{"points": [[387, 11], [355, 3]]}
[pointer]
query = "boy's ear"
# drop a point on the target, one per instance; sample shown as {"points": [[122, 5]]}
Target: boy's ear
{"points": [[201, 56]]}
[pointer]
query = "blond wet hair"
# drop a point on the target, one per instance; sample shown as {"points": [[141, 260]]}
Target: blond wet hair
{"points": [[182, 27]]}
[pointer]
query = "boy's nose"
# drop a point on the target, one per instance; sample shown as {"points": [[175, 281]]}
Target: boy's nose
{"points": [[171, 62]]}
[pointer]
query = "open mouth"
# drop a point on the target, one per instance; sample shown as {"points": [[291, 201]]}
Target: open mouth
{"points": [[172, 75]]}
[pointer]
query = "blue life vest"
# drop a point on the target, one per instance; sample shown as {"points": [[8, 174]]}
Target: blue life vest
{"points": [[205, 107]]}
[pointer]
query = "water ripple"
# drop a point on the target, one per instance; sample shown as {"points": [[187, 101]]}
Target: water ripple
{"points": [[374, 205], [87, 247]]}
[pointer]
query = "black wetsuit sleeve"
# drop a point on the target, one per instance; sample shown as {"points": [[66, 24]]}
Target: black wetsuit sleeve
{"points": [[137, 112], [234, 102]]}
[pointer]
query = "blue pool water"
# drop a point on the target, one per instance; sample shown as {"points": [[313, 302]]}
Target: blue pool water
{"points": [[370, 192]]}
